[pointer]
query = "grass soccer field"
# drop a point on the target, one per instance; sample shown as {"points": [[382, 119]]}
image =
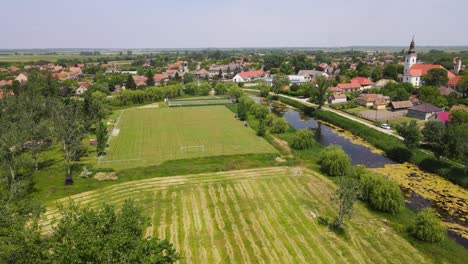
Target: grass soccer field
{"points": [[268, 215], [151, 136]]}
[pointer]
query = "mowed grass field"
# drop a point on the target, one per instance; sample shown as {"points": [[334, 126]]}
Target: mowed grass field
{"points": [[154, 135], [267, 215]]}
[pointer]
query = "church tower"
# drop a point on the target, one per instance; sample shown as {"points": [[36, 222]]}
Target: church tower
{"points": [[458, 65], [410, 59]]}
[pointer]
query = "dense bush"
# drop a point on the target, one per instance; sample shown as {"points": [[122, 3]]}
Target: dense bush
{"points": [[259, 111], [303, 139], [264, 90], [381, 194], [428, 226], [279, 125], [345, 105], [334, 161]]}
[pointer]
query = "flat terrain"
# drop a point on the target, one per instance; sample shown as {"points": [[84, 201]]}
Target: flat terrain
{"points": [[152, 136], [252, 216]]}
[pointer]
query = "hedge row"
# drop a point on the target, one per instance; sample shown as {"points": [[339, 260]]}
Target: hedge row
{"points": [[393, 147]]}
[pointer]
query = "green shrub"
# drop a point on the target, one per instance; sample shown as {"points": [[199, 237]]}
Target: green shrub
{"points": [[334, 161], [428, 226], [303, 139], [259, 111], [279, 125]]}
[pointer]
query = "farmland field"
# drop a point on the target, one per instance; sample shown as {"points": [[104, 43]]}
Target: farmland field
{"points": [[267, 215], [151, 136]]}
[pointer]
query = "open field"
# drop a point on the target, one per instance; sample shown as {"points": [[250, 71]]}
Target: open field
{"points": [[152, 136], [251, 216]]}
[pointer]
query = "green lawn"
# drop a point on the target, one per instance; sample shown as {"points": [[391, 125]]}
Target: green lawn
{"points": [[272, 215], [152, 136]]}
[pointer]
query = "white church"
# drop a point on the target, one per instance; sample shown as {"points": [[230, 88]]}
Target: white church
{"points": [[413, 72]]}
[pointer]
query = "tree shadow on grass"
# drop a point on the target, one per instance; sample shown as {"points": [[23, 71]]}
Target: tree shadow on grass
{"points": [[330, 224]]}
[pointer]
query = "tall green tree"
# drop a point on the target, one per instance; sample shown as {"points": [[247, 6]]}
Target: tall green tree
{"points": [[410, 133], [279, 81], [436, 77], [130, 84], [344, 198], [69, 129], [149, 78], [320, 92], [334, 161], [102, 137], [434, 136]]}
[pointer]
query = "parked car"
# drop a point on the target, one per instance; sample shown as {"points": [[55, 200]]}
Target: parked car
{"points": [[385, 126]]}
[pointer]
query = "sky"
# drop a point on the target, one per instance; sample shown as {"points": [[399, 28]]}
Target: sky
{"points": [[230, 23]]}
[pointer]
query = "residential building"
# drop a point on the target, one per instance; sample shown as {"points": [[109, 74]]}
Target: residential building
{"points": [[401, 105], [380, 104], [459, 107], [349, 87], [423, 111], [368, 100], [160, 77], [442, 117], [140, 80], [3, 83], [312, 74], [365, 83], [248, 76], [297, 79], [82, 88], [22, 77], [337, 98]]}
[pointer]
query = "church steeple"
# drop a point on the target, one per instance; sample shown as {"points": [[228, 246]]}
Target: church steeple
{"points": [[412, 49], [411, 58]]}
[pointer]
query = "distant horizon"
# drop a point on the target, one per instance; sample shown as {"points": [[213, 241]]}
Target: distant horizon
{"points": [[187, 24], [234, 47]]}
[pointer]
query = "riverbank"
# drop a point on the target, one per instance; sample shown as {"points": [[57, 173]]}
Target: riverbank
{"points": [[422, 188]]}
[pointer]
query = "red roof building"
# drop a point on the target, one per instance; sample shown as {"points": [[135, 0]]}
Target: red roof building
{"points": [[419, 70], [362, 81], [453, 82]]}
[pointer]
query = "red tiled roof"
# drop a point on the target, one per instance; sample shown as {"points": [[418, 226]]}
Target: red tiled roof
{"points": [[368, 97], [336, 89], [362, 81], [349, 85], [339, 96], [85, 84], [159, 77], [459, 107], [454, 81], [140, 80], [418, 70], [443, 116], [3, 83], [380, 102], [250, 74]]}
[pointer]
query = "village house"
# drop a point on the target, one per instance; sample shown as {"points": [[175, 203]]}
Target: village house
{"points": [[401, 105], [453, 83], [349, 87], [160, 77], [380, 104], [82, 88], [459, 107], [248, 76], [297, 79], [4, 83], [442, 117], [13, 69], [201, 73], [423, 111], [337, 98], [312, 74], [365, 83], [230, 68], [22, 77], [368, 100], [140, 80]]}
